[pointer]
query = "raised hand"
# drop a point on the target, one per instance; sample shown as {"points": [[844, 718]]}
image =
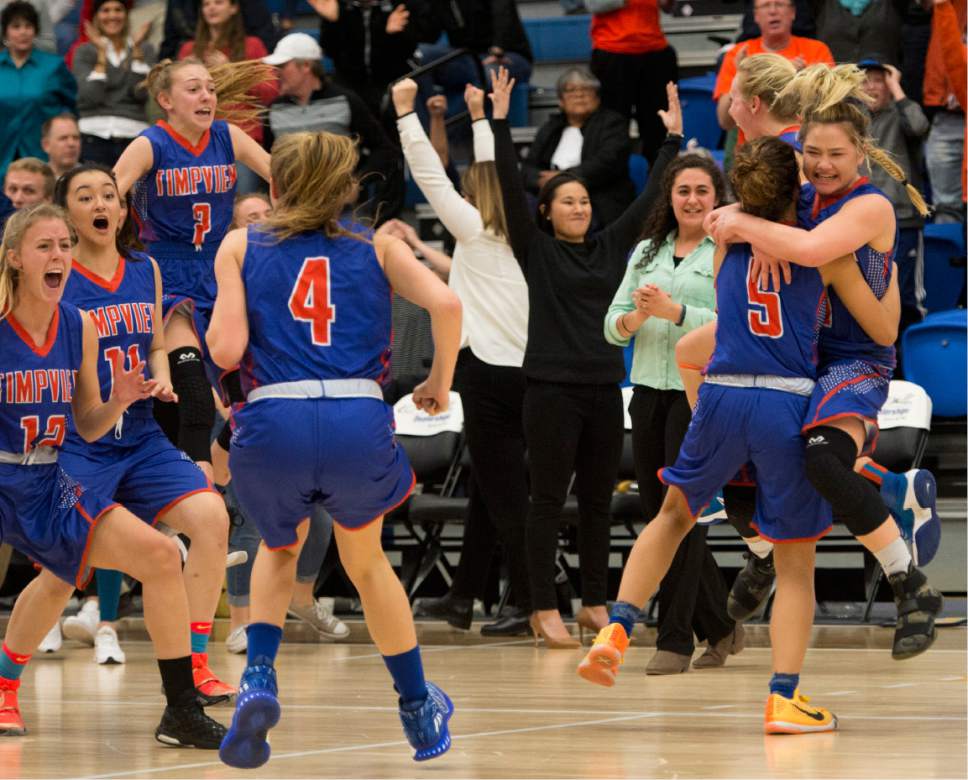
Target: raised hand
{"points": [[328, 9], [501, 86], [130, 386], [95, 37], [474, 98], [162, 391], [397, 20], [672, 117], [437, 105], [141, 35], [404, 94]]}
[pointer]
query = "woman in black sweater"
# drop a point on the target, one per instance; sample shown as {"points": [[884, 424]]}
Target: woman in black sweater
{"points": [[573, 417]]}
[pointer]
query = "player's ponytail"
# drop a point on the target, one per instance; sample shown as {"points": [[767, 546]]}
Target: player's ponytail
{"points": [[314, 181], [13, 235], [765, 177], [837, 96], [766, 76]]}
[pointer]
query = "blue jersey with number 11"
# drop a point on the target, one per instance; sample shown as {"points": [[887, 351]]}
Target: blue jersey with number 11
{"points": [[318, 307], [763, 332]]}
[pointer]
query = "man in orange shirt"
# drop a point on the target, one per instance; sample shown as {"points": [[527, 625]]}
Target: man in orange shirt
{"points": [[775, 18]]}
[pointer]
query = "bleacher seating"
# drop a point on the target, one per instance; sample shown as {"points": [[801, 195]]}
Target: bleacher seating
{"points": [[699, 110], [944, 266], [935, 354]]}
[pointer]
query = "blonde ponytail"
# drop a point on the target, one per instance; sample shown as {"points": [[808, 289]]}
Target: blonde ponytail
{"points": [[896, 172], [766, 76]]}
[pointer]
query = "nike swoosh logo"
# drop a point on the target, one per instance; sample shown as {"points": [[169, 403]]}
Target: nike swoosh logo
{"points": [[815, 715]]}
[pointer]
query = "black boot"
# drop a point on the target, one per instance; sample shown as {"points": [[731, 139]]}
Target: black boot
{"points": [[187, 725], [513, 621], [457, 612], [917, 606], [752, 587]]}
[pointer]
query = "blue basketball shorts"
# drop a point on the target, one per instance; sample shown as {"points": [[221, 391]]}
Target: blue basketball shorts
{"points": [[732, 426], [148, 475], [48, 516], [849, 388], [288, 454]]}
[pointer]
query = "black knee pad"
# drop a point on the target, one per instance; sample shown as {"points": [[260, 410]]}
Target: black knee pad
{"points": [[196, 406], [830, 457], [224, 438], [740, 503]]}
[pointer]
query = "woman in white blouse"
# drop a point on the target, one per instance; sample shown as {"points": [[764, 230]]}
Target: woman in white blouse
{"points": [[489, 282]]}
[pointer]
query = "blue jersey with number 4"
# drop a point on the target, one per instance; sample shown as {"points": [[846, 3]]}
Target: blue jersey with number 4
{"points": [[318, 307], [123, 310], [188, 194], [37, 382], [764, 332]]}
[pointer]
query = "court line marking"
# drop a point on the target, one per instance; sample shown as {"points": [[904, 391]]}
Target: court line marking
{"points": [[900, 685], [836, 693]]}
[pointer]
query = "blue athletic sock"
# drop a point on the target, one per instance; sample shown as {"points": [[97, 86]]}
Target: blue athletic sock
{"points": [[12, 664], [625, 614], [264, 639], [108, 593], [406, 669], [784, 684], [199, 634]]}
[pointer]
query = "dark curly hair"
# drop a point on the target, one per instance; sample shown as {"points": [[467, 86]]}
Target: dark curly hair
{"points": [[661, 220]]}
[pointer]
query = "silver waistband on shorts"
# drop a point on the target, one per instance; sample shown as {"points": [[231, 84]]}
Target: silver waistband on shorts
{"points": [[318, 388], [797, 385], [35, 457]]}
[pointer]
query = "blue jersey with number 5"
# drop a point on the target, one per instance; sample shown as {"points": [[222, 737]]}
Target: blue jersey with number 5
{"points": [[764, 332], [123, 310], [319, 308], [188, 194]]}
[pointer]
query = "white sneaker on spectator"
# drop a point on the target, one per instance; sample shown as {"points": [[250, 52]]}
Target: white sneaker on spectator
{"points": [[237, 641], [83, 626], [53, 641], [320, 616], [106, 647]]}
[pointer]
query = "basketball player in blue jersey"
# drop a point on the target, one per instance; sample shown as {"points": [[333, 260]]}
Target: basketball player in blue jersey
{"points": [[304, 306], [49, 381], [181, 174], [763, 367], [849, 215]]}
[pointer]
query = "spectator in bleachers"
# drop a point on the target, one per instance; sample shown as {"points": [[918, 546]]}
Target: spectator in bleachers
{"points": [[27, 182], [633, 61], [110, 70], [181, 23], [492, 29], [899, 126], [803, 24], [48, 13], [775, 18], [61, 142], [667, 291], [853, 29], [371, 43], [573, 416], [586, 140], [309, 100], [219, 38], [489, 282], [34, 85], [944, 81]]}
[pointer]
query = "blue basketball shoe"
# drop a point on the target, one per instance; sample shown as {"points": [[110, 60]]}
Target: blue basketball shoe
{"points": [[714, 513], [916, 515], [426, 726], [256, 711]]}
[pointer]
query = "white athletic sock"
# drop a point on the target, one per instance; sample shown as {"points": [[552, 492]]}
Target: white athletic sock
{"points": [[894, 558], [760, 547]]}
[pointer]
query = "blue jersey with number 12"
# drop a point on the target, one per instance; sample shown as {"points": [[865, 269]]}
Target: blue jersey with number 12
{"points": [[318, 307], [763, 332]]}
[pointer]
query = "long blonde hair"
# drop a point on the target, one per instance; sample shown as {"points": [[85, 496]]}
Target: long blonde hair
{"points": [[766, 76], [482, 188], [234, 82], [837, 96], [313, 178], [13, 235]]}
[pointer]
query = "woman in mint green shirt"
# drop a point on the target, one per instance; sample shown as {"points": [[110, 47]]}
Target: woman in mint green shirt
{"points": [[667, 291]]}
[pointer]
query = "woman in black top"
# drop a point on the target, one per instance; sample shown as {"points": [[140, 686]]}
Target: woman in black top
{"points": [[573, 415]]}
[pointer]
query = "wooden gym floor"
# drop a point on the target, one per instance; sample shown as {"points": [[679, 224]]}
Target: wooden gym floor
{"points": [[521, 712]]}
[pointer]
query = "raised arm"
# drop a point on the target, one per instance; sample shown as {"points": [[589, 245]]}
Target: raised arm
{"points": [[249, 152], [160, 382], [135, 161], [521, 228], [228, 333], [878, 317]]}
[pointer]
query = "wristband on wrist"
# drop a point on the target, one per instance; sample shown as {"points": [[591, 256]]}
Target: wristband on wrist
{"points": [[682, 316]]}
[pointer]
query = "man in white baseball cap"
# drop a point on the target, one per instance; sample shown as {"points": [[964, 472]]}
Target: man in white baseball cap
{"points": [[295, 46]]}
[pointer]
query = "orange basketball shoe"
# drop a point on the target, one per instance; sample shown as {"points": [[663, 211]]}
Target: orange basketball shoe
{"points": [[601, 664], [210, 689], [11, 724], [796, 715]]}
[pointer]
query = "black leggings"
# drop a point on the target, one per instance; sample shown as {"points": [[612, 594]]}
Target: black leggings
{"points": [[578, 429]]}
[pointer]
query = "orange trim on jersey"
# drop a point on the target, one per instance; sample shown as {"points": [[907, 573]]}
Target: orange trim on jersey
{"points": [[821, 535], [679, 488], [291, 544], [790, 129], [44, 349], [171, 504], [838, 387], [80, 581], [385, 512], [183, 142], [690, 366], [111, 285], [820, 202]]}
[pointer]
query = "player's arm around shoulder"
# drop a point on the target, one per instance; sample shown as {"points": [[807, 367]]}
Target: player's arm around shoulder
{"points": [[228, 333], [878, 317], [135, 161]]}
